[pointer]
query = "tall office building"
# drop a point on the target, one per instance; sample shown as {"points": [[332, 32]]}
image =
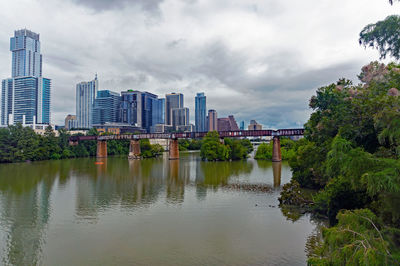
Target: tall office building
{"points": [[142, 109], [227, 124], [85, 95], [158, 111], [254, 125], [200, 112], [180, 117], [25, 97], [70, 122], [105, 107], [242, 125], [212, 120], [172, 101]]}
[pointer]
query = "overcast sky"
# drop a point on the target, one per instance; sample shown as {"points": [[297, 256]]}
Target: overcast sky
{"points": [[255, 59]]}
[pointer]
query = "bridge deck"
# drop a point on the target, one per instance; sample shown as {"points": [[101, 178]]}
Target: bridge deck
{"points": [[194, 135]]}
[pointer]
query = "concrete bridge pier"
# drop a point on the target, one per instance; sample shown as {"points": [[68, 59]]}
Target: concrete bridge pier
{"points": [[134, 149], [276, 150], [173, 149], [101, 149]]}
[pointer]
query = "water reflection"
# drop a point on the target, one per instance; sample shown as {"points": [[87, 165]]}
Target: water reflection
{"points": [[97, 186]]}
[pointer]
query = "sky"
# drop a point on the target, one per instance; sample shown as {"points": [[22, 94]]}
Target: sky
{"points": [[255, 59]]}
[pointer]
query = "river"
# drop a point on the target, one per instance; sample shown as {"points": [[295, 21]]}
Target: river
{"points": [[148, 212]]}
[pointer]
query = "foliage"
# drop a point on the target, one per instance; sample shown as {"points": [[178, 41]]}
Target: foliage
{"points": [[357, 239], [18, 144], [213, 148], [384, 36], [185, 144], [264, 151], [148, 151], [351, 154]]}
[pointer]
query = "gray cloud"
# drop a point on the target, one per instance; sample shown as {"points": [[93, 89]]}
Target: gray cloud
{"points": [[255, 59], [102, 5]]}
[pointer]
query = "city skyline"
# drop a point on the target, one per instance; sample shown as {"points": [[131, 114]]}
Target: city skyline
{"points": [[226, 61]]}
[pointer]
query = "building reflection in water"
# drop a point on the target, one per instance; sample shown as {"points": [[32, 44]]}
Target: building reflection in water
{"points": [[25, 191], [115, 182]]}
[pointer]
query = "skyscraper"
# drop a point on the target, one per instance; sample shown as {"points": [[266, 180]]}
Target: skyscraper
{"points": [[85, 95], [172, 100], [25, 97], [212, 120], [105, 107], [180, 117], [142, 109], [200, 112]]}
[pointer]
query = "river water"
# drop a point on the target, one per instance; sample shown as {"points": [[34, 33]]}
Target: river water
{"points": [[148, 212]]}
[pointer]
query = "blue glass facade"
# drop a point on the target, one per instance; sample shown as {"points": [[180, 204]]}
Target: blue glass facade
{"points": [[26, 96], [142, 109], [6, 100], [26, 57], [200, 112], [106, 107], [25, 103]]}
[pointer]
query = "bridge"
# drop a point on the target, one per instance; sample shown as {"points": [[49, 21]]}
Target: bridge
{"points": [[134, 148]]}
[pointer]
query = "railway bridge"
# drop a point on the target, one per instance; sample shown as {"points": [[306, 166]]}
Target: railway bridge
{"points": [[134, 148]]}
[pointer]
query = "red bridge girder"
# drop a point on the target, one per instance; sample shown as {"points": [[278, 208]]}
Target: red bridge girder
{"points": [[194, 135]]}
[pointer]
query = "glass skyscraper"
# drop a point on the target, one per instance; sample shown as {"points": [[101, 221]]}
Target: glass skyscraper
{"points": [[200, 112], [142, 109], [172, 101], [26, 96], [106, 107], [85, 96]]}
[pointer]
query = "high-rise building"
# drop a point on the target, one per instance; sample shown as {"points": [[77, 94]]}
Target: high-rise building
{"points": [[105, 107], [140, 109], [85, 95], [180, 117], [242, 125], [70, 122], [158, 111], [227, 124], [26, 57], [200, 112], [212, 120], [254, 125], [25, 97], [172, 101]]}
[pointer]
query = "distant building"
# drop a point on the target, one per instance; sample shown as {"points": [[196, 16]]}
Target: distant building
{"points": [[161, 128], [105, 109], [158, 111], [85, 95], [242, 125], [227, 124], [142, 109], [70, 122], [254, 125], [180, 117], [25, 97], [212, 120], [200, 112], [185, 128], [118, 128], [172, 101]]}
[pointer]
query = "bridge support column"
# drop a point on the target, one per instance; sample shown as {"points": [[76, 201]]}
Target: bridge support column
{"points": [[276, 150], [134, 149], [101, 149], [173, 149], [73, 143], [222, 141]]}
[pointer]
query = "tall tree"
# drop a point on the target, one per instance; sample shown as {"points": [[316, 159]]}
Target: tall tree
{"points": [[383, 35]]}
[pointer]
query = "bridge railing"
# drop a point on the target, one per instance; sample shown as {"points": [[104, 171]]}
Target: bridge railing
{"points": [[193, 135]]}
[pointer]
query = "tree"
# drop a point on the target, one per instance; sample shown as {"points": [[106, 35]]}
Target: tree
{"points": [[383, 35]]}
